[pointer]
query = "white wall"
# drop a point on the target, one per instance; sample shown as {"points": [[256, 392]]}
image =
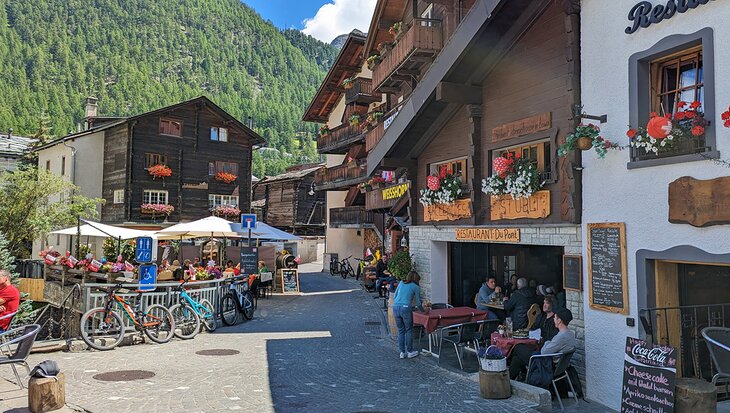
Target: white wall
{"points": [[638, 197]]}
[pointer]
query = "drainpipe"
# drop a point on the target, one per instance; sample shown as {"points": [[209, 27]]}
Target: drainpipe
{"points": [[73, 190]]}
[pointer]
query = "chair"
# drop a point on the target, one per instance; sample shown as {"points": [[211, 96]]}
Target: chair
{"points": [[255, 290], [559, 372], [718, 344], [464, 334], [532, 315], [24, 344], [267, 278], [486, 328], [10, 316]]}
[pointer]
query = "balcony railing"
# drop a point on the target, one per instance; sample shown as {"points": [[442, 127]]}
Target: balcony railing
{"points": [[423, 39], [341, 176], [350, 217], [679, 147], [339, 139], [362, 92], [374, 135]]}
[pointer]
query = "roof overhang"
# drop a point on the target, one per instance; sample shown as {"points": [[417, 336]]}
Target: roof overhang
{"points": [[386, 13]]}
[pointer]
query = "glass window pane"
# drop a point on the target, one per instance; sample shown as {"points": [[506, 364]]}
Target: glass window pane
{"points": [[669, 79], [687, 96], [668, 103], [533, 153], [701, 96], [214, 134], [688, 75], [223, 134], [701, 74]]}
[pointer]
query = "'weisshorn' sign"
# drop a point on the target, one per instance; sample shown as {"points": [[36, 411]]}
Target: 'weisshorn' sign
{"points": [[643, 14], [649, 373]]}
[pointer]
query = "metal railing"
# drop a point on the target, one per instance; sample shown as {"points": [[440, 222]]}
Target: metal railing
{"points": [[679, 147]]}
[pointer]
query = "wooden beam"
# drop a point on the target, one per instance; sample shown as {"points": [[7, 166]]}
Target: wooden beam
{"points": [[458, 93], [386, 89], [408, 72], [401, 78]]}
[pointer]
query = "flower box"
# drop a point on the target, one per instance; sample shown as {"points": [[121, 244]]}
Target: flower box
{"points": [[226, 212], [459, 209], [159, 171], [157, 209], [225, 177]]}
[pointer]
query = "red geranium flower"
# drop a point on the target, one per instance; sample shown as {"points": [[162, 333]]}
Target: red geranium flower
{"points": [[698, 130], [631, 133], [679, 115], [517, 156], [681, 104], [727, 123], [690, 114], [696, 104]]}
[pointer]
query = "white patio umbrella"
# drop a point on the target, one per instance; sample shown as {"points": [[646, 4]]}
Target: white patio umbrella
{"points": [[97, 229], [206, 227], [264, 231]]}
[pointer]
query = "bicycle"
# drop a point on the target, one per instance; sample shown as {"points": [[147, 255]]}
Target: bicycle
{"points": [[235, 302], [102, 328], [334, 266], [345, 268], [189, 314], [362, 263]]}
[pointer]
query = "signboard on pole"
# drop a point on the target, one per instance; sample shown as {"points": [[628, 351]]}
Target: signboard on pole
{"points": [[147, 277], [248, 221], [649, 374], [145, 250], [249, 260]]}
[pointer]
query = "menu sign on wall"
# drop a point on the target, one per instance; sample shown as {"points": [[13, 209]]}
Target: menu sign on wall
{"points": [[572, 272], [649, 375], [608, 290]]}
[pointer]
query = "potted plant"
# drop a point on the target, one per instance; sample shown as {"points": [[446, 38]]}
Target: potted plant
{"points": [[584, 138], [492, 359], [225, 177], [324, 131], [373, 118], [400, 264], [226, 211], [663, 132], [440, 189], [395, 30], [159, 171], [354, 119], [514, 176], [347, 83], [157, 209], [373, 61], [383, 47]]}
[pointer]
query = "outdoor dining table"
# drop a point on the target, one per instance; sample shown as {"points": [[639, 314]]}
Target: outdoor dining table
{"points": [[506, 344], [436, 319]]}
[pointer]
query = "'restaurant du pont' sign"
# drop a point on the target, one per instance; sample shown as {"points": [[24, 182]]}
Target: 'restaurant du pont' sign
{"points": [[644, 14], [488, 234]]}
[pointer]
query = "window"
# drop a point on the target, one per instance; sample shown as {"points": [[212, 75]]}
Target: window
{"points": [[427, 14], [219, 134], [456, 167], [222, 200], [537, 152], [170, 127], [119, 196], [63, 166], [211, 168], [153, 196], [677, 78], [151, 159], [229, 167], [48, 165]]}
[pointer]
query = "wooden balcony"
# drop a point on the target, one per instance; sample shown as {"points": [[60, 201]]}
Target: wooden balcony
{"points": [[374, 135], [383, 199], [410, 55], [362, 92], [340, 139], [351, 217], [341, 176]]}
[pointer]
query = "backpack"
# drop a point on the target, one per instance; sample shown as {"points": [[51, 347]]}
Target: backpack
{"points": [[563, 387], [540, 373]]}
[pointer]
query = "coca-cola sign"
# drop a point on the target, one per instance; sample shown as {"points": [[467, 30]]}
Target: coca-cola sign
{"points": [[644, 14], [649, 373]]}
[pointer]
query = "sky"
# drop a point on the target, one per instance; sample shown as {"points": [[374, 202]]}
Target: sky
{"points": [[321, 19]]}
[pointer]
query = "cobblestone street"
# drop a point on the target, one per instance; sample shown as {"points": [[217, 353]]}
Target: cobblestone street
{"points": [[323, 351]]}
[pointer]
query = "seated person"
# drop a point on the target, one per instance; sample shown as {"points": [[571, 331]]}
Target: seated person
{"points": [[563, 342], [519, 304], [263, 267], [9, 299], [486, 292], [545, 320], [382, 274]]}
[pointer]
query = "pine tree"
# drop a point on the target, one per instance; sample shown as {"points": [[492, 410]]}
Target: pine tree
{"points": [[7, 262]]}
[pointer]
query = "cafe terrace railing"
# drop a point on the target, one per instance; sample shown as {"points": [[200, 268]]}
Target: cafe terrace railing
{"points": [[349, 173], [362, 91], [339, 138], [355, 216], [424, 36]]}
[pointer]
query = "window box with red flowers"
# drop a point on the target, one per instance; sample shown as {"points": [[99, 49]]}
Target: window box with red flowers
{"points": [[441, 189], [157, 209], [159, 171], [670, 135], [225, 177], [225, 211], [514, 176]]}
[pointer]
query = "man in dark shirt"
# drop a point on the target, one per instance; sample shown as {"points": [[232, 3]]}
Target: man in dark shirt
{"points": [[382, 274], [519, 303]]}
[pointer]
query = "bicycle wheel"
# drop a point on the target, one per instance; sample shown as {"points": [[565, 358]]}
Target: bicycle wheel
{"points": [[101, 329], [229, 309], [158, 324], [208, 316], [187, 322], [248, 305], [343, 270], [333, 268]]}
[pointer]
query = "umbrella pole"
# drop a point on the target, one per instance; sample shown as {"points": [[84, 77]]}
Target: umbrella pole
{"points": [[119, 246], [180, 251], [78, 235]]}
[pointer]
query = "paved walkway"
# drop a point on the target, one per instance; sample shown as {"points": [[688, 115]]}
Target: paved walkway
{"points": [[323, 351]]}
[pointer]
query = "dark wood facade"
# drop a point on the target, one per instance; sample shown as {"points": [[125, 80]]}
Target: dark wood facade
{"points": [[193, 157]]}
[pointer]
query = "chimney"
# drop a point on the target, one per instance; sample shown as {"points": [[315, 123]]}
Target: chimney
{"points": [[91, 107], [250, 122]]}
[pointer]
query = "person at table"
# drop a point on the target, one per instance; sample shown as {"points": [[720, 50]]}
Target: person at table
{"points": [[382, 276], [511, 287], [545, 320], [9, 299], [563, 342], [519, 303], [486, 293], [405, 294]]}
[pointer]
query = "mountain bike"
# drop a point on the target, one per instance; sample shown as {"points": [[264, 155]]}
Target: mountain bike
{"points": [[334, 266], [102, 328], [345, 268], [235, 302], [189, 314]]}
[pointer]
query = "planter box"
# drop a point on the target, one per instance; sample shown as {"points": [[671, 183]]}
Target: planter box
{"points": [[504, 207], [460, 209]]}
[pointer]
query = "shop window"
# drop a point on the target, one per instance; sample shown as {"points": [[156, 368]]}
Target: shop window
{"points": [[218, 134], [678, 68], [228, 167], [456, 167], [119, 196], [151, 159], [222, 200], [170, 127], [152, 196], [537, 152]]}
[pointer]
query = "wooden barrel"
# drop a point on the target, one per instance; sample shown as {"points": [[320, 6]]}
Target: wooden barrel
{"points": [[391, 317], [694, 395], [494, 384]]}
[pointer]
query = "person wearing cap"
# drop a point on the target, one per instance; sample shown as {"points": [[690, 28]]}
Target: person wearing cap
{"points": [[563, 342]]}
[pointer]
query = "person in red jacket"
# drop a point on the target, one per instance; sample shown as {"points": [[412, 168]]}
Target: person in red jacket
{"points": [[9, 299]]}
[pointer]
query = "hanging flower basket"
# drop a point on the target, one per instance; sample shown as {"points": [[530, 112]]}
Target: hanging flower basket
{"points": [[225, 211], [662, 132], [584, 138], [513, 175], [159, 171], [157, 209], [225, 177]]}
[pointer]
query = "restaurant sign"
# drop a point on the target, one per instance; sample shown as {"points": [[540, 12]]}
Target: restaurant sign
{"points": [[395, 192], [643, 14], [504, 207], [488, 234]]}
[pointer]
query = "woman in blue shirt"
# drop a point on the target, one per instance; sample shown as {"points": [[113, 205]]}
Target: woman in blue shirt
{"points": [[405, 293]]}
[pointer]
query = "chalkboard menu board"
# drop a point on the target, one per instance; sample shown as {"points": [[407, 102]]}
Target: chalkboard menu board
{"points": [[573, 272], [289, 280], [249, 260], [649, 377], [608, 288]]}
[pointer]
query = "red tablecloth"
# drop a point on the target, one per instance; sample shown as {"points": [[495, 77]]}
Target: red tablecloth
{"points": [[446, 317], [507, 344]]}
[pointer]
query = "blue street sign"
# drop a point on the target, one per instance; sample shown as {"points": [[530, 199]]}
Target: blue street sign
{"points": [[248, 221], [147, 277], [143, 252]]}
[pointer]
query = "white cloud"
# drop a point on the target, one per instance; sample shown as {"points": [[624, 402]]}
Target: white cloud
{"points": [[339, 17]]}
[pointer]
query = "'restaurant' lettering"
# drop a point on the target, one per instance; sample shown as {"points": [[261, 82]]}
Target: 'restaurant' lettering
{"points": [[643, 14]]}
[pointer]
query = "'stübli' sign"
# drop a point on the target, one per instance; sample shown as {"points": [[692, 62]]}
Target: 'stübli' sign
{"points": [[649, 373], [643, 14]]}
